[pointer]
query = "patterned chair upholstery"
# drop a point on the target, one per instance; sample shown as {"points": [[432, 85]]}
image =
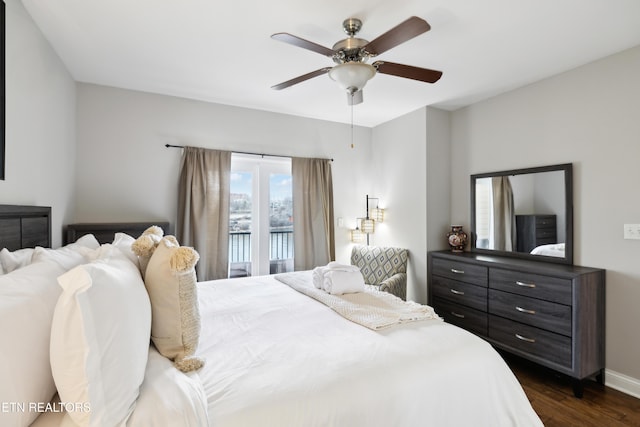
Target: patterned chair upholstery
{"points": [[383, 267]]}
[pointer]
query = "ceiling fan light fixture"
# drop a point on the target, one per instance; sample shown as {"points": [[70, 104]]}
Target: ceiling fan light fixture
{"points": [[352, 76]]}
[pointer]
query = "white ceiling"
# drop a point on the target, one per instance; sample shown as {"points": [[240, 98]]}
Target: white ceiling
{"points": [[221, 51]]}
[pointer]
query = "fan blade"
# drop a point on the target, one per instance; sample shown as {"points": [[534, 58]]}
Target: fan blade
{"points": [[305, 44], [407, 30], [302, 78], [354, 98], [408, 71]]}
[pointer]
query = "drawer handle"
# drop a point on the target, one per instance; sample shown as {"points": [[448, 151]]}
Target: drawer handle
{"points": [[458, 315], [520, 337], [453, 291], [524, 310], [453, 270], [525, 285]]}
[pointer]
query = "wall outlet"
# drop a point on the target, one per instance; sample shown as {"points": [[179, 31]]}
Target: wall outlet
{"points": [[632, 231]]}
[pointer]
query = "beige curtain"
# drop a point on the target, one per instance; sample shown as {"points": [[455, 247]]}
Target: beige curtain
{"points": [[313, 233], [203, 209], [504, 220]]}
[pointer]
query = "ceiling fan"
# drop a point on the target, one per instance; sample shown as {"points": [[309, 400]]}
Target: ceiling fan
{"points": [[351, 55]]}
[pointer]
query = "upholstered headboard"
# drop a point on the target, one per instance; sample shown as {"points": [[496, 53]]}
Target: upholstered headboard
{"points": [[105, 232], [25, 226]]}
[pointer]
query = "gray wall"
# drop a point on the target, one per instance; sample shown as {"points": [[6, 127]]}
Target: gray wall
{"points": [[125, 173], [40, 116], [589, 117], [411, 175]]}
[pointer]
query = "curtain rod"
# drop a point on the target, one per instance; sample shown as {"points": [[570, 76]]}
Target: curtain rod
{"points": [[242, 152]]}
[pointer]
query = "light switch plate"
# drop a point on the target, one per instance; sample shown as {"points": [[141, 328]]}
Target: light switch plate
{"points": [[632, 231]]}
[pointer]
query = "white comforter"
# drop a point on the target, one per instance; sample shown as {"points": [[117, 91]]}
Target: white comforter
{"points": [[275, 357]]}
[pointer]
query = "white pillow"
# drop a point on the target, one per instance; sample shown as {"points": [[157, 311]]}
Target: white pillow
{"points": [[123, 242], [16, 259], [81, 251], [100, 338], [10, 261], [27, 300], [87, 241], [66, 256], [169, 397]]}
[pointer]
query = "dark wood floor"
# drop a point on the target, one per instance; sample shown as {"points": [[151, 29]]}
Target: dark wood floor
{"points": [[551, 396]]}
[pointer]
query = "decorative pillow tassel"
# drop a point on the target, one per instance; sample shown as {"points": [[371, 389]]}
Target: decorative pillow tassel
{"points": [[188, 364], [145, 245]]}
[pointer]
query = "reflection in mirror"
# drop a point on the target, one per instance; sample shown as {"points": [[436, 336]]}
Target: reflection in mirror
{"points": [[525, 213]]}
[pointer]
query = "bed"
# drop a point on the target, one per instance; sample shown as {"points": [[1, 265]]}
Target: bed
{"points": [[276, 357]]}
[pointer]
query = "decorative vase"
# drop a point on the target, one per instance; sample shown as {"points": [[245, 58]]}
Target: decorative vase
{"points": [[457, 238]]}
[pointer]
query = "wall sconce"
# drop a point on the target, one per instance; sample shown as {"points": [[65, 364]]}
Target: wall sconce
{"points": [[376, 214], [367, 225], [357, 236]]}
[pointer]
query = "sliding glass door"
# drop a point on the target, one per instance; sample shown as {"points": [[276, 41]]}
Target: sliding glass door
{"points": [[261, 216]]}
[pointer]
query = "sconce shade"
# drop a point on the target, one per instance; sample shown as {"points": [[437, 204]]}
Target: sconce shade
{"points": [[368, 226], [357, 236], [352, 76], [377, 214]]}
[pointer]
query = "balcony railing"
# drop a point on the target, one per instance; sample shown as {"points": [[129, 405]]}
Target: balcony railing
{"points": [[281, 245], [280, 252], [239, 246]]}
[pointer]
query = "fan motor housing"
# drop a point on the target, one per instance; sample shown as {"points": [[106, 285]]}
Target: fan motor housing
{"points": [[350, 50]]}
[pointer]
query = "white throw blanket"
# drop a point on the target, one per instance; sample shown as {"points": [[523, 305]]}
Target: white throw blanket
{"points": [[338, 279], [372, 309]]}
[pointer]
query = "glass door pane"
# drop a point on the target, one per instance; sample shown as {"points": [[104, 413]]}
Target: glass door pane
{"points": [[280, 223], [240, 217]]}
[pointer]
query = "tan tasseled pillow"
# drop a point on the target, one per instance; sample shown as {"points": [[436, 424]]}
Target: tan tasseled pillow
{"points": [[175, 322], [144, 246]]}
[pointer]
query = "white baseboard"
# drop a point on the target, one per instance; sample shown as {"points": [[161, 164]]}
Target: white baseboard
{"points": [[623, 383]]}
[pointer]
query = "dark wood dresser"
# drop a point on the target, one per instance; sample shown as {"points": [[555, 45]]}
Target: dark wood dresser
{"points": [[535, 230], [549, 313]]}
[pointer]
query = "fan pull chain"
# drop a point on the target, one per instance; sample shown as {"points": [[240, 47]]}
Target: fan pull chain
{"points": [[352, 146]]}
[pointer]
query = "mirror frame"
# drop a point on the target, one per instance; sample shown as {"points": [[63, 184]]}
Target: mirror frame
{"points": [[568, 191]]}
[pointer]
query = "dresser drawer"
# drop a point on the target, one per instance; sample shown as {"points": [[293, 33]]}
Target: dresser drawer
{"points": [[531, 285], [548, 221], [462, 271], [546, 345], [459, 292], [546, 234], [459, 315], [546, 315]]}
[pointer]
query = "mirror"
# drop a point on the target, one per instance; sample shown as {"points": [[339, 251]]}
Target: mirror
{"points": [[524, 213]]}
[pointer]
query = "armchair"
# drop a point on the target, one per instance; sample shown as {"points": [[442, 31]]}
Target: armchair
{"points": [[383, 267]]}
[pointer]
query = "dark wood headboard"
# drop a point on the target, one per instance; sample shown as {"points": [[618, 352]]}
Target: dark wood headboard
{"points": [[25, 226], [105, 232]]}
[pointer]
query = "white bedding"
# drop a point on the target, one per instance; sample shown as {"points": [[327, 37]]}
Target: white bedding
{"points": [[275, 357], [278, 358], [555, 249]]}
